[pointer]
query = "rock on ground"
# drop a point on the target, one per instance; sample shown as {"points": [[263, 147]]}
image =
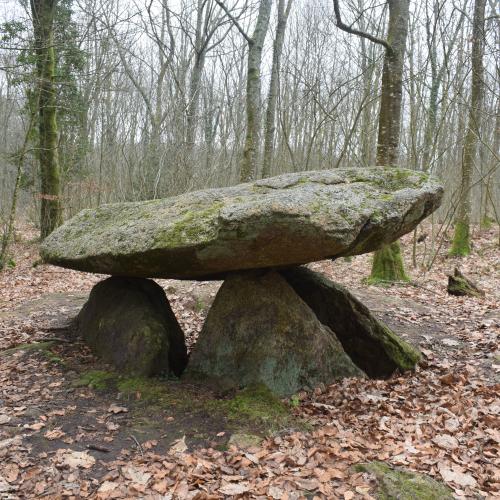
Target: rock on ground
{"points": [[405, 485], [128, 322], [286, 220], [372, 346], [260, 331]]}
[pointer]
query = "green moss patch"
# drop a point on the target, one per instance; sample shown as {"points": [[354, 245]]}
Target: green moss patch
{"points": [[461, 246], [256, 406], [96, 379], [35, 346], [404, 485], [388, 266], [194, 226], [43, 348]]}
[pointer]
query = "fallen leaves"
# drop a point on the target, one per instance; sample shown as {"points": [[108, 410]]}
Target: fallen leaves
{"points": [[54, 434], [74, 459], [457, 476], [117, 409], [446, 441], [4, 419], [179, 446], [441, 420]]}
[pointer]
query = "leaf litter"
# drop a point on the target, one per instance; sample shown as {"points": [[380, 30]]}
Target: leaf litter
{"points": [[443, 420]]}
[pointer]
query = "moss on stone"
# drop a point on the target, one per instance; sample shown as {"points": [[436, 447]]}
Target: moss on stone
{"points": [[461, 286], [403, 354], [404, 485], [461, 246], [388, 265], [192, 228]]}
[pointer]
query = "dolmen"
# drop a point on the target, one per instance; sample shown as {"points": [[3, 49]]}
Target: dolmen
{"points": [[274, 321]]}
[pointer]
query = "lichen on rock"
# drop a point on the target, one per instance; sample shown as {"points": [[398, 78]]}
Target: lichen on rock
{"points": [[259, 331], [209, 233], [373, 347]]}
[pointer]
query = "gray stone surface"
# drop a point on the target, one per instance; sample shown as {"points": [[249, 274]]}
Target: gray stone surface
{"points": [[128, 322], [260, 331], [375, 348], [290, 219]]}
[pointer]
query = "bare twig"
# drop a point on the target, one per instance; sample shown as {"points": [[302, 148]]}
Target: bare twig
{"points": [[139, 447], [96, 447], [235, 22], [353, 31]]}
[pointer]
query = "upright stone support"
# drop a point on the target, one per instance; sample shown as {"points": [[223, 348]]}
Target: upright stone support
{"points": [[377, 350], [128, 322], [260, 331]]}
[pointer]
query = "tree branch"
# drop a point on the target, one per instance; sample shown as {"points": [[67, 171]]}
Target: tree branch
{"points": [[235, 21], [353, 31]]}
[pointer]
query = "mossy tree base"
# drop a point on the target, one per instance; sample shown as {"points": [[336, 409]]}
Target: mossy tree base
{"points": [[461, 246], [388, 265]]}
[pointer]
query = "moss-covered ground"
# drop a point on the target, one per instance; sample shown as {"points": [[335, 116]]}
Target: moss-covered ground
{"points": [[169, 406], [404, 485]]}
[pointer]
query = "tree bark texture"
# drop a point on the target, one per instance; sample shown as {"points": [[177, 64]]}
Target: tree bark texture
{"points": [[461, 239], [272, 98], [43, 27], [392, 84], [253, 102]]}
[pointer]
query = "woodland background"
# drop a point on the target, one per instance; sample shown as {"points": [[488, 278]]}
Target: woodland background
{"points": [[152, 97]]}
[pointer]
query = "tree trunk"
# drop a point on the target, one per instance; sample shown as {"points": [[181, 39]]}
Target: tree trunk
{"points": [[273, 87], [388, 265], [461, 240], [43, 20], [392, 84], [255, 45]]}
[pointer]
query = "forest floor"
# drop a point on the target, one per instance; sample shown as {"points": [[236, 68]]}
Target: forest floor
{"points": [[71, 428]]}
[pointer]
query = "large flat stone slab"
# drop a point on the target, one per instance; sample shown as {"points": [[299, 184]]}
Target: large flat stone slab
{"points": [[286, 220]]}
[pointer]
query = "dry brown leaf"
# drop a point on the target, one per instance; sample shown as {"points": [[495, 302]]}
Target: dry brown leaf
{"points": [[452, 475], [117, 409]]}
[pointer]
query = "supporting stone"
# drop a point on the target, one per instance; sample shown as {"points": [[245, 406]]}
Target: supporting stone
{"points": [[260, 331], [370, 344], [128, 322]]}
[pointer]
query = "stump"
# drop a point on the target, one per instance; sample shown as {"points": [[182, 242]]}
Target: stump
{"points": [[461, 286]]}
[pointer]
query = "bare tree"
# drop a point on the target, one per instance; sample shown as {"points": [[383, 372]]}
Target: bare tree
{"points": [[253, 96], [462, 239], [388, 263], [42, 12], [272, 96]]}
